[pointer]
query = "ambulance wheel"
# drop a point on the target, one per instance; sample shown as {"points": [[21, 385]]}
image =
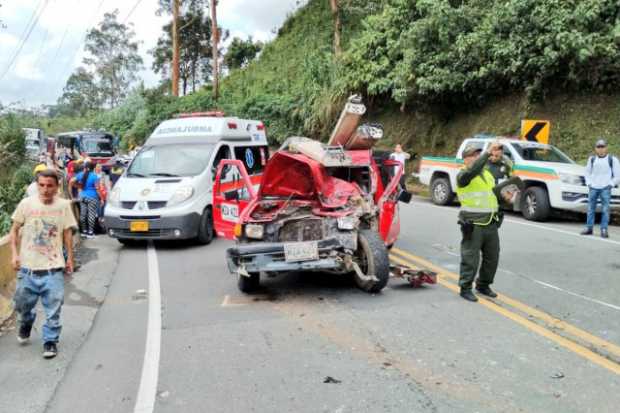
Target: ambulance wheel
{"points": [[205, 231], [372, 258], [441, 192], [249, 284], [535, 204]]}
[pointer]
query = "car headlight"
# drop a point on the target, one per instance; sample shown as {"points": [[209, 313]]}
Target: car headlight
{"points": [[114, 198], [182, 194], [254, 231], [572, 179], [347, 223]]}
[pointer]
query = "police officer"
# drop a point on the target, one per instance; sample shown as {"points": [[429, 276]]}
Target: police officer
{"points": [[479, 222], [501, 167], [499, 164]]}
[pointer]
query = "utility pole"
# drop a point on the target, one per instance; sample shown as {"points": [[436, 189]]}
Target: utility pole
{"points": [[215, 40], [175, 47]]}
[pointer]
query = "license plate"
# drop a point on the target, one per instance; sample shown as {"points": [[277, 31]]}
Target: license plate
{"points": [[139, 226], [301, 251]]}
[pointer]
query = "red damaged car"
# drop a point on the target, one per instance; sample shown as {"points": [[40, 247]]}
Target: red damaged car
{"points": [[319, 207]]}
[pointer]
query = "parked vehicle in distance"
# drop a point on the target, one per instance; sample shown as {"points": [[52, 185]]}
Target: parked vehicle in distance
{"points": [[552, 180], [35, 142], [319, 208], [96, 145], [166, 191]]}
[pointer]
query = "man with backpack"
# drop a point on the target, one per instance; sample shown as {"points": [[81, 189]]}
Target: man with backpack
{"points": [[602, 174]]}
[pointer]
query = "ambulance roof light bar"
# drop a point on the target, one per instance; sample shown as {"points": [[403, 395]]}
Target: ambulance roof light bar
{"points": [[210, 114]]}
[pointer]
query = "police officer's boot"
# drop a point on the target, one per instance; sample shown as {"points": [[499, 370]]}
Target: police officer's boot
{"points": [[486, 290], [468, 295]]}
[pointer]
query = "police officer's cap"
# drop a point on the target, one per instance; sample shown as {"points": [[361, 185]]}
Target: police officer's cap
{"points": [[471, 149]]}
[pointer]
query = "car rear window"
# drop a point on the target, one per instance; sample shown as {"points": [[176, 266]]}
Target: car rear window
{"points": [[254, 158]]}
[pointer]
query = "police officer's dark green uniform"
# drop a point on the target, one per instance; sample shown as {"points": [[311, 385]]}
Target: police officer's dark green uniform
{"points": [[479, 222], [502, 169]]}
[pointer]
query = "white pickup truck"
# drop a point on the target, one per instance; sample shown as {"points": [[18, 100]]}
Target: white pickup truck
{"points": [[552, 180]]}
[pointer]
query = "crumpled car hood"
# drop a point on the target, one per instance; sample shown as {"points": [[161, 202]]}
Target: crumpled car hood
{"points": [[294, 175]]}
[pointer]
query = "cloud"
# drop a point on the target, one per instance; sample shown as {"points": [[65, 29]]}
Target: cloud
{"points": [[55, 47]]}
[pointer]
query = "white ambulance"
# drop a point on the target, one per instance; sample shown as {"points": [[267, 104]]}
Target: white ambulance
{"points": [[166, 192]]}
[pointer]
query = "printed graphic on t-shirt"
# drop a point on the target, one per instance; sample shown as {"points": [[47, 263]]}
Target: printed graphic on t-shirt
{"points": [[45, 242]]}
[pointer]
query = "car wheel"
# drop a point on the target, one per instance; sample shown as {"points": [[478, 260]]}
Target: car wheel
{"points": [[535, 204], [205, 232], [372, 258], [249, 284], [441, 191]]}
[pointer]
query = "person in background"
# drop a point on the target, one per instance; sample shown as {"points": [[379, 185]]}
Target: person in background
{"points": [[402, 157], [501, 167], [41, 225], [33, 188], [87, 182], [116, 172], [602, 174]]}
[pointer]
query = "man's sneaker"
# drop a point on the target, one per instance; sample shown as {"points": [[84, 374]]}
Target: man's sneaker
{"points": [[23, 334], [469, 295], [49, 350], [90, 235], [587, 231], [604, 233], [487, 291]]}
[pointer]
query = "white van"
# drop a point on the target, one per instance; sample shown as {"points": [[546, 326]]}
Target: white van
{"points": [[166, 192]]}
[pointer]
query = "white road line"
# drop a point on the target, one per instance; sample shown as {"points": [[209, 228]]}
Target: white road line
{"points": [[445, 249], [555, 287], [145, 401], [561, 231], [528, 224]]}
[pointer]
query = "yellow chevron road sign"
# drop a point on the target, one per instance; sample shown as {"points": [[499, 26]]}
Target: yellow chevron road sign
{"points": [[535, 130]]}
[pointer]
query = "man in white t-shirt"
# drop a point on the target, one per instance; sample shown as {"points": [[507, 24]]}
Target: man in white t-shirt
{"points": [[41, 225], [602, 174], [400, 156]]}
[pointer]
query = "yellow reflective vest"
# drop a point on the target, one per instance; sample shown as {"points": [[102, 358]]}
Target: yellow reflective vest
{"points": [[478, 196]]}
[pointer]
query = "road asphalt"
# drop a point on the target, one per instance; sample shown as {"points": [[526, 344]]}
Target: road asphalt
{"points": [[315, 343]]}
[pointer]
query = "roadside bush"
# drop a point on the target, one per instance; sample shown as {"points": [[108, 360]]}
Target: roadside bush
{"points": [[12, 190], [456, 52]]}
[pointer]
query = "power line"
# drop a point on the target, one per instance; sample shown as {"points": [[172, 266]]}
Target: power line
{"points": [[29, 30], [79, 47], [132, 10]]}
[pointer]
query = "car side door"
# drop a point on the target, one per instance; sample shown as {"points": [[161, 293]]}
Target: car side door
{"points": [[233, 192]]}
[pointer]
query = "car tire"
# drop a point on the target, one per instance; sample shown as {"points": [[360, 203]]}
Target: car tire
{"points": [[535, 204], [205, 231], [373, 259], [249, 284], [441, 191]]}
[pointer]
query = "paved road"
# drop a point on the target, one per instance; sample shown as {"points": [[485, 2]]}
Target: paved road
{"points": [[550, 343]]}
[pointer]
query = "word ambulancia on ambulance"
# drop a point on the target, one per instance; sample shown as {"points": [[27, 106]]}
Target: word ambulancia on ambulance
{"points": [[167, 190]]}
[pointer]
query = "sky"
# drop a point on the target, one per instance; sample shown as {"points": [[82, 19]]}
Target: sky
{"points": [[55, 45]]}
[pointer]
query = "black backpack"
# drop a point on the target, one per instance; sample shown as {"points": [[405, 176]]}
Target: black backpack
{"points": [[610, 158]]}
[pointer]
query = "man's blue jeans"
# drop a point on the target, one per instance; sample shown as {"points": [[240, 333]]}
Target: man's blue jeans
{"points": [[605, 196], [51, 289]]}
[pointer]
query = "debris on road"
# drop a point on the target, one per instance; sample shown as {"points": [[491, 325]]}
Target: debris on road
{"points": [[414, 277], [330, 379], [558, 375]]}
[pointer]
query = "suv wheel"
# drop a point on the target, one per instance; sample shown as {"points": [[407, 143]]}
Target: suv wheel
{"points": [[372, 258], [441, 191], [535, 204], [249, 284]]}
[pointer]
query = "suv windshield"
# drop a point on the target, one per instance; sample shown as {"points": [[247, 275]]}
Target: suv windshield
{"points": [[171, 160], [531, 152]]}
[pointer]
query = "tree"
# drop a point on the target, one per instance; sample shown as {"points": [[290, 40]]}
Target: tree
{"points": [[195, 44], [214, 46], [337, 26], [114, 57], [241, 52], [80, 94], [187, 6]]}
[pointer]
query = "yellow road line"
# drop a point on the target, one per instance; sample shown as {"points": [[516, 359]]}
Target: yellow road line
{"points": [[530, 325], [552, 321]]}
